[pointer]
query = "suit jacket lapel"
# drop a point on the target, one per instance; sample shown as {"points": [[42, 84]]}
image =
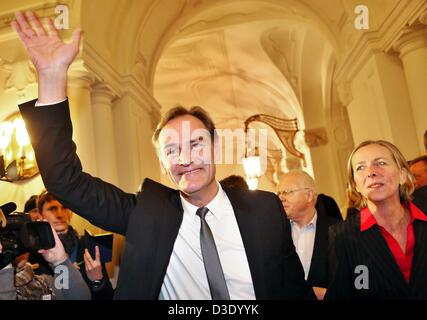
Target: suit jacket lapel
{"points": [[247, 222], [321, 229], [382, 258], [170, 220]]}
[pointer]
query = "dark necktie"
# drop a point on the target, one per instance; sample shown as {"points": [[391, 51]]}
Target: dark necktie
{"points": [[211, 261]]}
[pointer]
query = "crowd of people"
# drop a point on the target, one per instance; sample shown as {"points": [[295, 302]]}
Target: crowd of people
{"points": [[211, 240]]}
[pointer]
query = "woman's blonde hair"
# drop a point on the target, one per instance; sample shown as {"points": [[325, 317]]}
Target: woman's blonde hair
{"points": [[355, 198]]}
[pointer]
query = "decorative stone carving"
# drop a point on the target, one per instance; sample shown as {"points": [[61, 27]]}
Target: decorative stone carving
{"points": [[283, 56], [344, 92], [21, 74], [315, 137], [412, 38]]}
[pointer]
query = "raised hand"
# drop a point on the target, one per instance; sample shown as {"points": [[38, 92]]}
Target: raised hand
{"points": [[46, 50], [93, 267], [49, 54]]}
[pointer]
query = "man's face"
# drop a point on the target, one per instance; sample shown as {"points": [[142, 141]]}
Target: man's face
{"points": [[186, 156], [295, 197], [419, 170], [57, 215]]}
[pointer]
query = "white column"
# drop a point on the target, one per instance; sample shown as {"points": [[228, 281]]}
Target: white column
{"points": [[381, 108], [105, 147], [79, 94], [412, 48]]}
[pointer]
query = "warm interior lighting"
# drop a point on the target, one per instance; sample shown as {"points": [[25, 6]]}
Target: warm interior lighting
{"points": [[252, 167], [17, 161], [252, 183], [285, 129]]}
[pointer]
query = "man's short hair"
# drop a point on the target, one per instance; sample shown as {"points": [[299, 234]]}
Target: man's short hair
{"points": [[304, 180], [180, 111], [44, 197], [419, 159], [234, 182], [31, 203]]}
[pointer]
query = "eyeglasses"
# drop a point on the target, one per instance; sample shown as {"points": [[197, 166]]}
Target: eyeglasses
{"points": [[287, 193]]}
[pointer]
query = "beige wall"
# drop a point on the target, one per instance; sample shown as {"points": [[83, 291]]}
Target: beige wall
{"points": [[381, 108]]}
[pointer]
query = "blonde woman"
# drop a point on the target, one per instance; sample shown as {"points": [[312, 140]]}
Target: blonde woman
{"points": [[379, 253]]}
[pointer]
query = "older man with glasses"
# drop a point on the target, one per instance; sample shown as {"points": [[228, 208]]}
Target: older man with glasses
{"points": [[297, 192]]}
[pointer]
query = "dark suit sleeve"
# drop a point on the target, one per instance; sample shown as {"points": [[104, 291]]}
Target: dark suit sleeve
{"points": [[50, 131], [105, 291], [339, 269], [295, 286]]}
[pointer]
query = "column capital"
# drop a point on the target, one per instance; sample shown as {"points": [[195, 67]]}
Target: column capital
{"points": [[412, 38], [423, 17], [79, 75], [102, 93]]}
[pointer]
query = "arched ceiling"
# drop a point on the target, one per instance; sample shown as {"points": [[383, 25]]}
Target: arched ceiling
{"points": [[243, 58]]}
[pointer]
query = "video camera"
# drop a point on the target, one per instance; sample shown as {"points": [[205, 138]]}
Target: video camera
{"points": [[18, 234]]}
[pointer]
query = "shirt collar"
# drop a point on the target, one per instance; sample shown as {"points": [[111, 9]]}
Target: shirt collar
{"points": [[367, 219], [215, 206], [311, 224], [416, 213]]}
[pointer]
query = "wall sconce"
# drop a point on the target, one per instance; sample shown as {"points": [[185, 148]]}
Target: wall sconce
{"points": [[285, 129], [17, 161]]}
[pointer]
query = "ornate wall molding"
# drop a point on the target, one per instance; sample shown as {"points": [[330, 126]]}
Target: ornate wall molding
{"points": [[42, 9], [120, 85], [412, 38], [403, 14], [315, 137], [345, 95], [20, 75]]}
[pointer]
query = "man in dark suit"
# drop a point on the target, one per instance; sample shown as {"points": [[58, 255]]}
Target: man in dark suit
{"points": [[420, 198], [418, 168], [309, 226], [327, 205], [168, 232]]}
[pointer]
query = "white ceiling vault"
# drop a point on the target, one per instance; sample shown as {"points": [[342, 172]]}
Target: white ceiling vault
{"points": [[242, 58]]}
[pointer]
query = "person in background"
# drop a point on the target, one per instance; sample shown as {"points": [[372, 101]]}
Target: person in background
{"points": [[297, 191], [419, 170], [328, 205], [234, 181], [18, 281], [380, 252], [92, 270], [31, 208]]}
